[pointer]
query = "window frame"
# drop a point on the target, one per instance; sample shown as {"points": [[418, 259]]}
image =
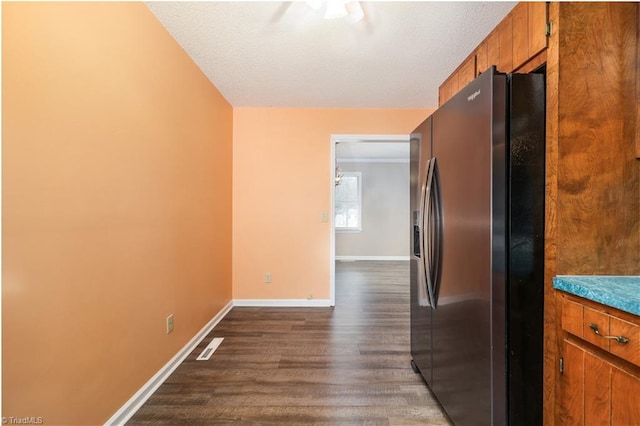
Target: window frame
{"points": [[345, 229]]}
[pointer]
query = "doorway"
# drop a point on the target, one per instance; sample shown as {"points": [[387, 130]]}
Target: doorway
{"points": [[362, 225]]}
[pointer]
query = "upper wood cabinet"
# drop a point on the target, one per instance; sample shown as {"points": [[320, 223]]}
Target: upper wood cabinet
{"points": [[529, 31], [505, 37], [493, 49], [520, 17], [537, 28], [467, 72], [481, 58], [462, 76], [518, 38], [448, 89]]}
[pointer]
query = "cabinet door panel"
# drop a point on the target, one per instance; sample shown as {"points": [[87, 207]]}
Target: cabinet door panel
{"points": [[572, 383], [493, 49], [597, 390], [505, 35], [537, 27], [467, 72], [629, 351], [572, 313], [481, 59], [520, 34], [442, 94], [625, 398]]}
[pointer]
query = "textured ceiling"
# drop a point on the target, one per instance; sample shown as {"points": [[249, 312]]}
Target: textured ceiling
{"points": [[284, 54]]}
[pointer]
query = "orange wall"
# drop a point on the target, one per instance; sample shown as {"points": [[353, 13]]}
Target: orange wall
{"points": [[282, 184], [116, 195]]}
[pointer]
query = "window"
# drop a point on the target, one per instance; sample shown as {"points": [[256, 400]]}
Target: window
{"points": [[348, 212]]}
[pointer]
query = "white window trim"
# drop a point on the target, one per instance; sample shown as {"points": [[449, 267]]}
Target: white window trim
{"points": [[344, 230]]}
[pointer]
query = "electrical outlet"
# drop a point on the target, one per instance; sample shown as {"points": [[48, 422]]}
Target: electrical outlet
{"points": [[169, 323], [267, 277]]}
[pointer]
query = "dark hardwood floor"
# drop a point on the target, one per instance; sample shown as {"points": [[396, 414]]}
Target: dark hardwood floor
{"points": [[348, 365]]}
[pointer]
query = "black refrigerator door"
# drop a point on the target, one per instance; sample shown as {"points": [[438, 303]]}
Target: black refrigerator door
{"points": [[421, 336], [525, 290], [463, 134]]}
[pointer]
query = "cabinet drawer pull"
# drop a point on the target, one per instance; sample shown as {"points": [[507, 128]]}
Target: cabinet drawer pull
{"points": [[619, 339]]}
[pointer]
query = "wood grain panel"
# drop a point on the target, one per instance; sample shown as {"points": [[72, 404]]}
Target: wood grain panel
{"points": [[467, 72], [448, 88], [481, 58], [533, 63], [552, 330], [572, 317], [505, 36], [629, 351], [597, 391], [625, 398], [638, 90], [572, 395], [493, 49], [598, 178], [537, 27], [520, 16]]}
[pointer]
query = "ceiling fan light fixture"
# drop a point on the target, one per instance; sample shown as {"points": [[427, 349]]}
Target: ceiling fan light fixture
{"points": [[314, 4], [335, 9], [356, 14]]}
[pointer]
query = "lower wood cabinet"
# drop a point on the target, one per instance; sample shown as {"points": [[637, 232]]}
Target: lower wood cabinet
{"points": [[595, 391], [599, 375]]}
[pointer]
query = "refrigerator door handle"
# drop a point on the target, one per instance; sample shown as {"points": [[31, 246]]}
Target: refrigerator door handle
{"points": [[427, 238], [438, 235], [424, 296]]}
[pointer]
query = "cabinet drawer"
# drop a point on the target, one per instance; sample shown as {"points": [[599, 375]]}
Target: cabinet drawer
{"points": [[630, 350], [602, 328], [572, 317], [596, 325]]}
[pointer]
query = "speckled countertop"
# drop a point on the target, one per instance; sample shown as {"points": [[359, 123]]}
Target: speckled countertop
{"points": [[620, 292]]}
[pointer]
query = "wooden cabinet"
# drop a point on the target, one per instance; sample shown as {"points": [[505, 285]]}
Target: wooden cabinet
{"points": [[481, 58], [591, 103], [600, 376], [537, 27], [520, 17], [505, 37], [518, 38], [595, 391], [462, 76], [493, 49], [638, 92], [467, 72], [448, 89], [529, 22]]}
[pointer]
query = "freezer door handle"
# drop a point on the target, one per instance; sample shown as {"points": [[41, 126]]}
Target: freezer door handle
{"points": [[424, 293], [437, 235], [427, 235]]}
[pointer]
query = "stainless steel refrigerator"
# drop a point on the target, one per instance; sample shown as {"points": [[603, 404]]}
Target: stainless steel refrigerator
{"points": [[477, 226]]}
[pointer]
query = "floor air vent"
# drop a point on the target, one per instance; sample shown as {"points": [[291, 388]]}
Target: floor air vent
{"points": [[210, 349]]}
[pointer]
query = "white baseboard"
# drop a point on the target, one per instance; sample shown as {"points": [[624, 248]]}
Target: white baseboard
{"points": [[354, 258], [135, 402], [283, 303]]}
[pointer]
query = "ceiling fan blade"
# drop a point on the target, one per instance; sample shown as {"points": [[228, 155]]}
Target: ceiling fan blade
{"points": [[280, 12]]}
